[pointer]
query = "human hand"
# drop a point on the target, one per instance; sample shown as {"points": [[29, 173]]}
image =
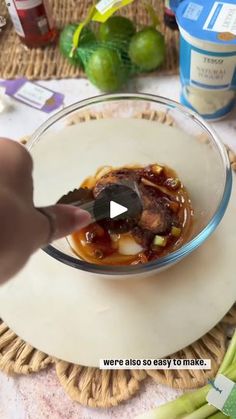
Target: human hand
{"points": [[24, 228]]}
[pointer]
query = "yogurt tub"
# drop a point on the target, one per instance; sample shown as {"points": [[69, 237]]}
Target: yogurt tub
{"points": [[173, 4], [208, 56]]}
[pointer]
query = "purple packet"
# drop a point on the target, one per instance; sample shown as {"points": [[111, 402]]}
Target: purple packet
{"points": [[33, 95]]}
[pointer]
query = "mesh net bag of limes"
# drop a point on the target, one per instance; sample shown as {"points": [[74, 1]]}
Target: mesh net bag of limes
{"points": [[110, 49]]}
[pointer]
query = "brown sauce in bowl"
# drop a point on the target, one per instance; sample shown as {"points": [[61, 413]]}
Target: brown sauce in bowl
{"points": [[164, 226]]}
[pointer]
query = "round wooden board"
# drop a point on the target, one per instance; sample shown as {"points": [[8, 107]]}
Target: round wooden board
{"points": [[82, 318]]}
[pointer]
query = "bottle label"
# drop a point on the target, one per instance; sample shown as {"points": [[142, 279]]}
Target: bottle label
{"points": [[15, 18], [44, 22], [27, 4]]}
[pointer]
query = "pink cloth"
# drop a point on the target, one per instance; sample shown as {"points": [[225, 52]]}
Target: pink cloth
{"points": [[40, 396]]}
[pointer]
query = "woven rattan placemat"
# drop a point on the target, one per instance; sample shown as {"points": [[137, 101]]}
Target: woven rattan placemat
{"points": [[18, 61], [97, 388]]}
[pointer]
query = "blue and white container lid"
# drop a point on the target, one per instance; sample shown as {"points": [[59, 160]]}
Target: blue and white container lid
{"points": [[209, 20], [174, 4]]}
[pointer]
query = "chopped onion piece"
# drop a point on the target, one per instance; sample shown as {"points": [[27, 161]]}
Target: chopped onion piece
{"points": [[102, 171], [128, 246], [156, 169], [115, 237], [162, 189], [176, 231]]}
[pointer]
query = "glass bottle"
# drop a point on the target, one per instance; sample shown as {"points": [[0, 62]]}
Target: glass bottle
{"points": [[33, 22]]}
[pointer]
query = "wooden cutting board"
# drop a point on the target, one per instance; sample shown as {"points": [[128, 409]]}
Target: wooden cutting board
{"points": [[81, 318]]}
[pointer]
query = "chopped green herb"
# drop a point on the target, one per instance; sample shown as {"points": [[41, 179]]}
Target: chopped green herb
{"points": [[176, 231], [160, 241]]}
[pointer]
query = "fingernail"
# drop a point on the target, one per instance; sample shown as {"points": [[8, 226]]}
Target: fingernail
{"points": [[83, 218]]}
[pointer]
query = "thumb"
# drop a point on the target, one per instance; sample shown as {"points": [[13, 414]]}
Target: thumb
{"points": [[57, 221]]}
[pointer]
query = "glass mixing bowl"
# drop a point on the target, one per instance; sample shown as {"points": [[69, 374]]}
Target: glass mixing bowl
{"points": [[123, 129]]}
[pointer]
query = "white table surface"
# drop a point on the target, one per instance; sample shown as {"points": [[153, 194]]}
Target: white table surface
{"points": [[40, 396]]}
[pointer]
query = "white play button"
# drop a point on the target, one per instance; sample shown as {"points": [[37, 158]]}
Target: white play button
{"points": [[116, 209]]}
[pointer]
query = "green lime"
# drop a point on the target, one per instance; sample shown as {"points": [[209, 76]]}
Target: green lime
{"points": [[147, 49], [105, 69], [66, 42], [118, 28]]}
